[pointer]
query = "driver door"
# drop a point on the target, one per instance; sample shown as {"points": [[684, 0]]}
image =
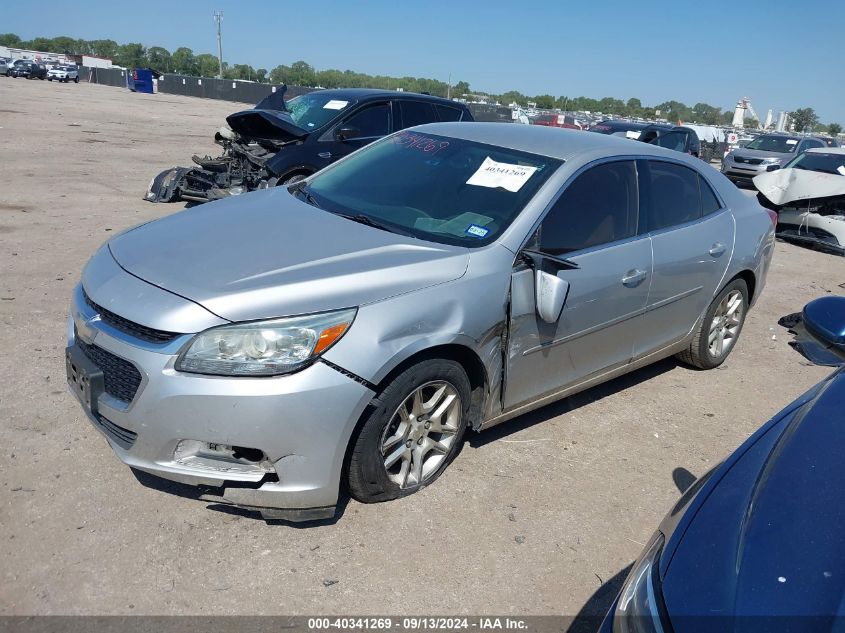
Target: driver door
{"points": [[366, 124], [593, 224]]}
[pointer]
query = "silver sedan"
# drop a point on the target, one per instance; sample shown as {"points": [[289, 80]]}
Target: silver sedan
{"points": [[346, 331]]}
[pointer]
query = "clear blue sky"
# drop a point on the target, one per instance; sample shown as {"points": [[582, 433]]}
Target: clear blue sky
{"points": [[784, 54]]}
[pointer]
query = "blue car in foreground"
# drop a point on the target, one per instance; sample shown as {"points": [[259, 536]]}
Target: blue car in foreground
{"points": [[758, 543]]}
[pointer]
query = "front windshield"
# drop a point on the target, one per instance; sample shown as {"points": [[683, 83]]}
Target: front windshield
{"points": [[436, 188], [817, 161], [313, 110], [779, 144]]}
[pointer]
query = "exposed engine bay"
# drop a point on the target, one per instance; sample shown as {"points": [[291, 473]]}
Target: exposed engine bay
{"points": [[249, 139], [810, 206]]}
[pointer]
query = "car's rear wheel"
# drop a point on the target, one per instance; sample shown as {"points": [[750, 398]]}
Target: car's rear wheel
{"points": [[720, 328], [76, 80], [412, 432]]}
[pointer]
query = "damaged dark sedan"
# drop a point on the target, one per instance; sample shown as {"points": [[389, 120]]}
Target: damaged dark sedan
{"points": [[279, 142]]}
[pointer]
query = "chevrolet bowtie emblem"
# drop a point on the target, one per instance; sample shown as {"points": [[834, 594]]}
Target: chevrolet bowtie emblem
{"points": [[85, 328]]}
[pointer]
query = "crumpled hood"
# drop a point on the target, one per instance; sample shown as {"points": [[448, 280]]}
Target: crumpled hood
{"points": [[768, 540], [789, 185], [267, 254], [272, 125]]}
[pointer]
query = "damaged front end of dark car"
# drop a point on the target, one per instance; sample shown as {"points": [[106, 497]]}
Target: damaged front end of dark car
{"points": [[249, 139]]}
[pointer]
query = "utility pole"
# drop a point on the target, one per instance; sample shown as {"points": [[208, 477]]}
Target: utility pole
{"points": [[449, 87], [218, 17]]}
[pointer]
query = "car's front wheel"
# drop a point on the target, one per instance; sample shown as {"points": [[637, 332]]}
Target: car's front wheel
{"points": [[411, 433], [719, 330]]}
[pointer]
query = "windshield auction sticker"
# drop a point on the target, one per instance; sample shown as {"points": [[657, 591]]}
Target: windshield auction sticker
{"points": [[335, 104], [494, 175]]}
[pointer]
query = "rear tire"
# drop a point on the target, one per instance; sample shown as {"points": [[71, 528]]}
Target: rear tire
{"points": [[720, 328], [411, 433]]}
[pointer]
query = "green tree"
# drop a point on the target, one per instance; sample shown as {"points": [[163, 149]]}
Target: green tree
{"points": [[183, 62], [9, 39], [804, 119], [160, 59], [834, 129], [131, 55], [106, 49], [207, 65], [261, 75]]}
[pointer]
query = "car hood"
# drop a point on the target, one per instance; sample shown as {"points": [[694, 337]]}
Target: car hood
{"points": [[759, 153], [267, 254], [273, 125], [768, 539], [789, 185]]}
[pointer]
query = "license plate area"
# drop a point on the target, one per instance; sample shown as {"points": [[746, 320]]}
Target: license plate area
{"points": [[84, 378]]}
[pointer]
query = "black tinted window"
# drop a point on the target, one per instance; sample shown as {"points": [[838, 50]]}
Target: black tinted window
{"points": [[600, 206], [371, 121], [416, 113], [811, 143], [672, 140], [675, 198], [447, 113], [709, 202]]}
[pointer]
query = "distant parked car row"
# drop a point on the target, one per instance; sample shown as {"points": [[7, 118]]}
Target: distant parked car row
{"points": [[769, 152], [30, 69]]}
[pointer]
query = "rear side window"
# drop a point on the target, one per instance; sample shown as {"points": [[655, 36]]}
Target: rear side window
{"points": [[371, 121], [447, 113], [416, 113], [599, 207], [709, 202], [675, 197]]}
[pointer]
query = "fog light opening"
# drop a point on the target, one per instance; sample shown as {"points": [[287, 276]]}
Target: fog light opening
{"points": [[222, 458]]}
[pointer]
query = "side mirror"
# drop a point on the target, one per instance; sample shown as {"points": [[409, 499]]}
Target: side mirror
{"points": [[819, 331], [346, 133], [550, 295]]}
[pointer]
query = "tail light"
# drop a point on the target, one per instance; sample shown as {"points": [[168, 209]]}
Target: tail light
{"points": [[773, 217]]}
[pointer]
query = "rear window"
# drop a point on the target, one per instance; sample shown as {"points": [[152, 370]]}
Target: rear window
{"points": [[447, 113], [416, 113], [675, 197]]}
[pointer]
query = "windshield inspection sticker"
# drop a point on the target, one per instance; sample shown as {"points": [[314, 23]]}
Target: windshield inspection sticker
{"points": [[841, 169], [476, 231], [791, 141], [494, 175], [335, 104]]}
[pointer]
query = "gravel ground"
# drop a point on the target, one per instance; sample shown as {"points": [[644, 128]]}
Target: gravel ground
{"points": [[541, 515]]}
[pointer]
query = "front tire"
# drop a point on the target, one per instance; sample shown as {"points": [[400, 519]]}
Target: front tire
{"points": [[411, 433], [720, 328], [289, 180]]}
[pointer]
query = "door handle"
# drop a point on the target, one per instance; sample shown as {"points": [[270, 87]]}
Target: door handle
{"points": [[717, 249], [633, 277]]}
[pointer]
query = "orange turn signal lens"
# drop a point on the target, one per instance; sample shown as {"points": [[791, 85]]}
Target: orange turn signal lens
{"points": [[328, 337]]}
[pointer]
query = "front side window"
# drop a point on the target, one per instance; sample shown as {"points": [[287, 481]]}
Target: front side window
{"points": [[372, 121], [675, 197], [433, 187], [600, 206]]}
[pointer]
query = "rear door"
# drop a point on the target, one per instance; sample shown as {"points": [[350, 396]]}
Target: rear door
{"points": [[413, 113], [692, 238], [594, 224]]}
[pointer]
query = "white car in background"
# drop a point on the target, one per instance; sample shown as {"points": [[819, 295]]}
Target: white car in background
{"points": [[64, 73]]}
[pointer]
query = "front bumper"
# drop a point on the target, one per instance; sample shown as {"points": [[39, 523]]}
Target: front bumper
{"points": [[742, 171], [300, 424]]}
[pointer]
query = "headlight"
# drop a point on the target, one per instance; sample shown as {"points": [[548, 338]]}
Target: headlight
{"points": [[264, 348], [639, 607], [771, 161]]}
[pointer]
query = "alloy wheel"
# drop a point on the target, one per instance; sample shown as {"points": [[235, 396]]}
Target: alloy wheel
{"points": [[421, 433], [727, 321]]}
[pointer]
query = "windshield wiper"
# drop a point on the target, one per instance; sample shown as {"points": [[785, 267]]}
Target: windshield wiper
{"points": [[302, 188], [360, 218]]}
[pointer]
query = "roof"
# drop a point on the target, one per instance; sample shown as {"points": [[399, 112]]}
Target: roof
{"points": [[364, 93], [827, 150], [554, 142]]}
